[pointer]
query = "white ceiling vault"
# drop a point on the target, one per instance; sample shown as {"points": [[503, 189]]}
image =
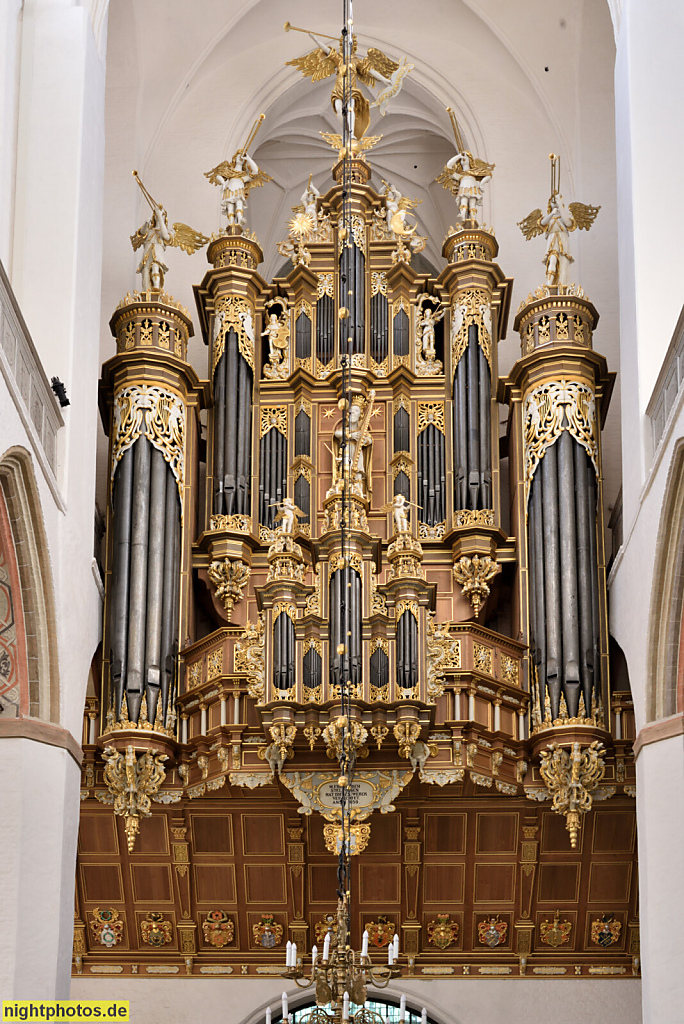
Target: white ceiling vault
{"points": [[185, 82]]}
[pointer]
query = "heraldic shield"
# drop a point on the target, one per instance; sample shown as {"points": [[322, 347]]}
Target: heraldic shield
{"points": [[218, 928], [556, 933], [605, 931], [442, 932], [267, 933], [492, 932]]}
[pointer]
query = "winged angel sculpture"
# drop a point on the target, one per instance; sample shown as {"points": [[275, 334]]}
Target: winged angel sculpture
{"points": [[155, 234], [465, 175], [236, 177], [376, 67], [556, 224]]}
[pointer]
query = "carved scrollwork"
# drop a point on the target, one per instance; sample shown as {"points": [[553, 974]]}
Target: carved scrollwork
{"points": [[233, 311], [229, 579], [249, 657], [159, 415], [472, 306], [549, 410]]}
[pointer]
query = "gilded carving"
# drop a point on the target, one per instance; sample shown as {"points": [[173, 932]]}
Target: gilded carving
{"points": [[443, 652], [237, 313], [249, 657], [159, 415], [273, 416], [474, 517], [570, 778], [482, 658], [551, 408], [155, 931], [229, 579], [133, 782], [471, 308], [430, 413], [473, 574], [442, 932], [357, 837]]}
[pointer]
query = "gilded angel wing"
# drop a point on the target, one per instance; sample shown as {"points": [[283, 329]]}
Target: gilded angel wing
{"points": [[316, 65], [531, 226], [583, 216], [408, 204], [446, 180], [257, 180], [138, 238], [187, 239], [480, 168], [375, 60], [223, 169]]}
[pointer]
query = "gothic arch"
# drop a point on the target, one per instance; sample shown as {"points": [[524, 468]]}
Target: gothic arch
{"points": [[667, 594], [25, 520]]}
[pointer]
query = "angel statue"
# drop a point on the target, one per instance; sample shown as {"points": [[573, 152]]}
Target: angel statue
{"points": [[155, 233], [465, 175], [357, 454], [398, 507], [396, 208], [375, 67], [287, 515], [278, 340], [310, 197], [236, 177], [556, 224]]}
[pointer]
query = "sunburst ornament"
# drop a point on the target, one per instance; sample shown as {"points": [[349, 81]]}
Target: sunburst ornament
{"points": [[301, 224]]}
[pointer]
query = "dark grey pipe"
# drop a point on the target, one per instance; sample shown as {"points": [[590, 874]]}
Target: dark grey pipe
{"points": [[170, 587], [584, 524], [230, 437], [219, 432], [549, 471], [592, 516], [442, 475], [155, 581], [272, 474], [473, 420], [537, 535], [138, 592], [123, 495], [568, 575], [485, 430], [461, 415], [245, 439]]}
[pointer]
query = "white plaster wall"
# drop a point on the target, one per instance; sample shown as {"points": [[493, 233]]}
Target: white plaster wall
{"points": [[468, 1000], [10, 41], [660, 814], [38, 826]]}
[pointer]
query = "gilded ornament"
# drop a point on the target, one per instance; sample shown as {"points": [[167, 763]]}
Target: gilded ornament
{"points": [[431, 531], [159, 415], [556, 933], [273, 416], [430, 413], [237, 314], [344, 738], [283, 737], [492, 932], [133, 782], [406, 734], [605, 931], [106, 928], [268, 932], [571, 776], [443, 652], [472, 307], [380, 932], [443, 932], [473, 574], [326, 285], [380, 731], [249, 657], [474, 517], [218, 929], [229, 579], [551, 408], [155, 931], [239, 523], [509, 670], [356, 839]]}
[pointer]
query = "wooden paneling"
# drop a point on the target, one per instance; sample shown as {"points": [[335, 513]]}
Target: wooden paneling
{"points": [[443, 883], [265, 883], [102, 883], [322, 882], [214, 883], [151, 883], [212, 833], [609, 883], [263, 834], [97, 834], [554, 835], [385, 835], [494, 883], [379, 883], [445, 833], [497, 833], [614, 832], [558, 883], [154, 838]]}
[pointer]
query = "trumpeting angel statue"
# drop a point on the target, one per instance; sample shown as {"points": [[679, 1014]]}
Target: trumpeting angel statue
{"points": [[155, 234], [556, 224]]}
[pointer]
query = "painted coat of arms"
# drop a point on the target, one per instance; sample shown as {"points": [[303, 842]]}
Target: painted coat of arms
{"points": [[328, 924], [442, 932], [155, 930], [492, 932], [218, 928], [606, 931], [556, 933], [106, 928], [380, 933], [267, 933]]}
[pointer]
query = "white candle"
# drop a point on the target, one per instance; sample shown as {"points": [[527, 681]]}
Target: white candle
{"points": [[345, 1007], [314, 954], [364, 945], [284, 1005], [268, 1015], [396, 945], [326, 946], [288, 954], [390, 954], [402, 1008], [294, 954], [423, 1016]]}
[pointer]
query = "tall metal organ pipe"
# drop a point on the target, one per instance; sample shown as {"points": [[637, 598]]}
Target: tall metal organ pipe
{"points": [[563, 578], [143, 616], [346, 584], [352, 280], [233, 380], [472, 390]]}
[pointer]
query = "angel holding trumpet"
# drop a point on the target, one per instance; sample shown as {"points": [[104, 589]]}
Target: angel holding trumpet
{"points": [[236, 177], [376, 67], [556, 224], [155, 234], [465, 175], [398, 506]]}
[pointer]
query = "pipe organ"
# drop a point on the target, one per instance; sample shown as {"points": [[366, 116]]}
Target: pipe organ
{"points": [[326, 508]]}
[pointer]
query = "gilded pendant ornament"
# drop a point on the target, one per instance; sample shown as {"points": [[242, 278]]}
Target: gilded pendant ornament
{"points": [[571, 777], [133, 781], [552, 408], [473, 574], [471, 308], [159, 415], [229, 579], [358, 836], [342, 736]]}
